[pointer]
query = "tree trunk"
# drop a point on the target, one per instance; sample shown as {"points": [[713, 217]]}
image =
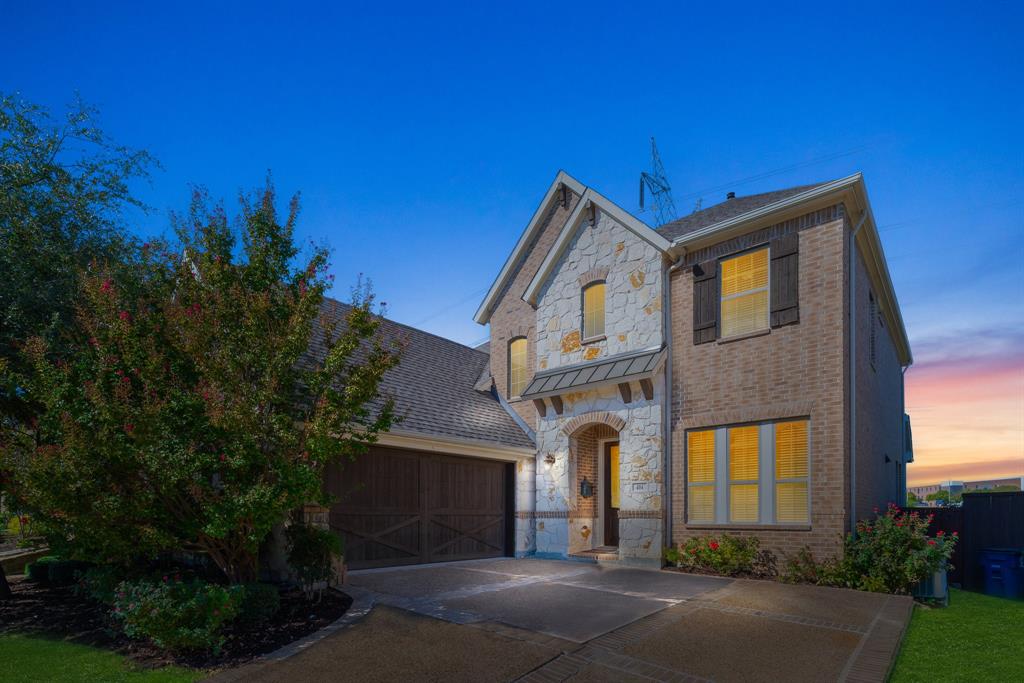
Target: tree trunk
{"points": [[5, 588]]}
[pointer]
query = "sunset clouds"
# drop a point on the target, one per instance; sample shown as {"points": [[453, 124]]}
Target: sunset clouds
{"points": [[965, 396]]}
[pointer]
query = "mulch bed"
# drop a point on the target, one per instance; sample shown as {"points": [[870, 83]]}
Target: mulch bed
{"points": [[57, 612]]}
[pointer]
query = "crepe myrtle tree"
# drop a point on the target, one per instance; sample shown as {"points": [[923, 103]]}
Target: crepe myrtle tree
{"points": [[191, 415]]}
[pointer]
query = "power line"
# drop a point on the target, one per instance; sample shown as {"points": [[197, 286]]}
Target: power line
{"points": [[460, 302], [777, 171]]}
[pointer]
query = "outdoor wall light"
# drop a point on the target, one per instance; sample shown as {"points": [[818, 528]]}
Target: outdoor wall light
{"points": [[586, 488]]}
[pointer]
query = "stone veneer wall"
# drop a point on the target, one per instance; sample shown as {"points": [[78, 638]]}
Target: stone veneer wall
{"points": [[526, 501], [565, 521], [632, 270], [793, 371]]}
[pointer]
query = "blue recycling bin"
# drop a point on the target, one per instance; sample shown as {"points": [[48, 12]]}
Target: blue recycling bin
{"points": [[1004, 572]]}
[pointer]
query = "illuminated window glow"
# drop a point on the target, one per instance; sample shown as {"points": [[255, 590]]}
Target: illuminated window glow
{"points": [[593, 311], [517, 374], [745, 293]]}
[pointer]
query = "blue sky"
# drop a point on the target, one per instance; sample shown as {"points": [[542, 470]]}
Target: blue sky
{"points": [[423, 136]]}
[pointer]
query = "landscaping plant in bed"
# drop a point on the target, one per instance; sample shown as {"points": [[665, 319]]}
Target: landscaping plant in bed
{"points": [[180, 614]]}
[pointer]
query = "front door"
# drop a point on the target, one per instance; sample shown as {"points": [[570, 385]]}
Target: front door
{"points": [[611, 496]]}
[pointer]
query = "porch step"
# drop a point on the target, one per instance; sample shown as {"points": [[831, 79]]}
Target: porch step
{"points": [[603, 554]]}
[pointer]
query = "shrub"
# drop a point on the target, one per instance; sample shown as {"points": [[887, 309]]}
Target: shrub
{"points": [[728, 555], [100, 583], [311, 553], [177, 615], [260, 602], [40, 569], [892, 554], [889, 555], [802, 568]]}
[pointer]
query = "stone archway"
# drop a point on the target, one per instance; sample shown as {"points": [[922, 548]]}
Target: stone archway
{"points": [[587, 435], [601, 417]]}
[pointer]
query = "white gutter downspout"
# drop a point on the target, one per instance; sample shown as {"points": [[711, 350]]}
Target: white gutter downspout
{"points": [[853, 371], [666, 409]]}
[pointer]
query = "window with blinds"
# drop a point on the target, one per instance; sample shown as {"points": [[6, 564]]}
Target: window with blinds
{"points": [[700, 476], [517, 375], [791, 469], [593, 310], [744, 293], [743, 474], [749, 474]]}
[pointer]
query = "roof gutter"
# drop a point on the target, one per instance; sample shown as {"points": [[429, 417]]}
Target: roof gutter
{"points": [[853, 369]]}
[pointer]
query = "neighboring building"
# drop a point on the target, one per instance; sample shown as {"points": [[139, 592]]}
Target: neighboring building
{"points": [[738, 370], [955, 487]]}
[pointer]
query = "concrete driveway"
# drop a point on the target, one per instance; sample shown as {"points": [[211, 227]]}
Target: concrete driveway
{"points": [[546, 620], [570, 600]]}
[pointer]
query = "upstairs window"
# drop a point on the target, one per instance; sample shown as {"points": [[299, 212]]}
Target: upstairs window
{"points": [[517, 375], [593, 310], [745, 293]]}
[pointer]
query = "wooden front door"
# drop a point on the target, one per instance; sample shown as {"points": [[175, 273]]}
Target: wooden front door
{"points": [[611, 495], [407, 507]]}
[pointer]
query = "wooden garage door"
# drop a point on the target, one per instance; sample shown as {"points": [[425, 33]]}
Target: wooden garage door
{"points": [[407, 507]]}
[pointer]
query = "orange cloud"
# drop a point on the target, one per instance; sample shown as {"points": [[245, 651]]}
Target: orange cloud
{"points": [[968, 416]]}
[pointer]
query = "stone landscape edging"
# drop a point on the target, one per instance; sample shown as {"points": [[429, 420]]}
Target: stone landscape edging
{"points": [[362, 603]]}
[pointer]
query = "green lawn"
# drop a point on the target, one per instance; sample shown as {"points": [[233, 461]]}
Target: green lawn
{"points": [[976, 638], [28, 659]]}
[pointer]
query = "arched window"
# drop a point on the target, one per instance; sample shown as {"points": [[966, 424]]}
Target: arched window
{"points": [[593, 310], [517, 371]]}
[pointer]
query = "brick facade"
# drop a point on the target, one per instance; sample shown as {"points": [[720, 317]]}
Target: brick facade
{"points": [[512, 317], [879, 383], [789, 372]]}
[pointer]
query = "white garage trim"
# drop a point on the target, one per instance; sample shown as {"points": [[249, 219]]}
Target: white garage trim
{"points": [[454, 446]]}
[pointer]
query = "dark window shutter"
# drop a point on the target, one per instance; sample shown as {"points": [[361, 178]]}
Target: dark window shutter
{"points": [[785, 276], [705, 302]]}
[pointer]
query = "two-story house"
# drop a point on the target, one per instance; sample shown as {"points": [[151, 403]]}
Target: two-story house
{"points": [[737, 370]]}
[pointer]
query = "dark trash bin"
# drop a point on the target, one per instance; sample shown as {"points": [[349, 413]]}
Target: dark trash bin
{"points": [[1004, 572]]}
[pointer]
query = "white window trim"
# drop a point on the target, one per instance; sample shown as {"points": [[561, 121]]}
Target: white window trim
{"points": [[767, 288], [766, 482]]}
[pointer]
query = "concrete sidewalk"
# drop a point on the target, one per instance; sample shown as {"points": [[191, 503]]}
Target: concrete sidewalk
{"points": [[541, 620]]}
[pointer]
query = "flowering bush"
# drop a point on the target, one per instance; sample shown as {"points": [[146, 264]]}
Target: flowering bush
{"points": [[892, 553], [177, 615], [888, 555], [728, 555]]}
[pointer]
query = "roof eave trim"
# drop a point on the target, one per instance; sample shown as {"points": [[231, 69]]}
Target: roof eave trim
{"points": [[435, 442], [483, 313], [620, 215], [697, 236]]}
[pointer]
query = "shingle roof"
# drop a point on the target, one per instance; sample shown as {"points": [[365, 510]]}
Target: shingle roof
{"points": [[625, 367], [730, 208], [433, 386]]}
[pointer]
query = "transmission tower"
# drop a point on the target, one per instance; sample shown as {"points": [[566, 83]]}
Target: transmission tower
{"points": [[656, 183]]}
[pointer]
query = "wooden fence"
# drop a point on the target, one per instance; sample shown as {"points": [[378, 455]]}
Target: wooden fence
{"points": [[986, 520]]}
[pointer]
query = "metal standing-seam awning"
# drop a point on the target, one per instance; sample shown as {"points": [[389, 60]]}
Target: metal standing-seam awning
{"points": [[635, 366]]}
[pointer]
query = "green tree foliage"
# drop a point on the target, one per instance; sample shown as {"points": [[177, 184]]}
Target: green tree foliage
{"points": [[912, 499], [191, 415], [64, 187], [941, 496]]}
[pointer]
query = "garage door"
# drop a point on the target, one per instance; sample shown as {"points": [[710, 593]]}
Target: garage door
{"points": [[408, 507]]}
